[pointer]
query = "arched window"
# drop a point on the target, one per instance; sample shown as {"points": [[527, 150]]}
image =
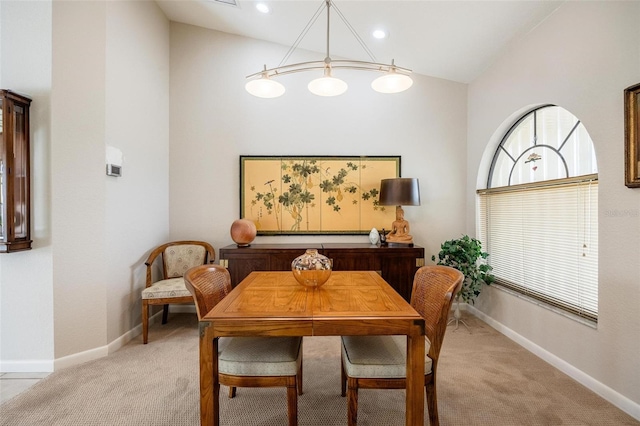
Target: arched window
{"points": [[538, 217]]}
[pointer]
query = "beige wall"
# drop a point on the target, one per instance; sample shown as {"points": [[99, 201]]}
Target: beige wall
{"points": [[580, 58], [78, 183], [26, 281], [98, 73], [137, 111], [214, 121]]}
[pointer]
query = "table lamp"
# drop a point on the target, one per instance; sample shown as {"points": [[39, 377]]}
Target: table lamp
{"points": [[400, 192]]}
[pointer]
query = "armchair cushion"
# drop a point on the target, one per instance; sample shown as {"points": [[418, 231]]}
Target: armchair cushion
{"points": [[260, 356], [378, 356], [179, 258], [173, 287]]}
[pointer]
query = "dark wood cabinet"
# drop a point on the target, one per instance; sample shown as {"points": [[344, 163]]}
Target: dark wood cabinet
{"points": [[15, 193], [241, 261], [397, 265]]}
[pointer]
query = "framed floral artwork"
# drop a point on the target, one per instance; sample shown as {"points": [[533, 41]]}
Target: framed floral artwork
{"points": [[289, 195], [632, 136]]}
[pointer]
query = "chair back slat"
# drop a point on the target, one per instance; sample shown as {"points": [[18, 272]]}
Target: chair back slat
{"points": [[434, 288], [208, 284]]}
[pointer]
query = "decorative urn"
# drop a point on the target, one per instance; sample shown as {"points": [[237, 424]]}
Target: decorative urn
{"points": [[243, 232], [311, 269]]}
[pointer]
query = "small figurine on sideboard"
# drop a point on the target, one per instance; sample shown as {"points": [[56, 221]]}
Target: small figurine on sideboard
{"points": [[383, 237]]}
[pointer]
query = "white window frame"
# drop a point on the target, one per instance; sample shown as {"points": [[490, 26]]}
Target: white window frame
{"points": [[542, 236]]}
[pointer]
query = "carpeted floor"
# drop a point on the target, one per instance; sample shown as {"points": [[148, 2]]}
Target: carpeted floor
{"points": [[484, 379]]}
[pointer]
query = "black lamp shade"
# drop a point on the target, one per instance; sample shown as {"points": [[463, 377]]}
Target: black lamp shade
{"points": [[399, 192]]}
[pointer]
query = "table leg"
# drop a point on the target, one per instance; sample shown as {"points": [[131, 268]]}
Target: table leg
{"points": [[209, 384], [415, 379]]}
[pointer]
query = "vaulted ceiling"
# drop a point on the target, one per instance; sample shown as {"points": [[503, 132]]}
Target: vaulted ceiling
{"points": [[454, 40]]}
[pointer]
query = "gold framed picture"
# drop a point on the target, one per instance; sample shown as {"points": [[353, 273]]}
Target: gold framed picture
{"points": [[289, 195], [632, 136]]}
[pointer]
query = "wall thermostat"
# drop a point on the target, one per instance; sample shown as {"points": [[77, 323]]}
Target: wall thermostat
{"points": [[114, 161], [113, 170]]}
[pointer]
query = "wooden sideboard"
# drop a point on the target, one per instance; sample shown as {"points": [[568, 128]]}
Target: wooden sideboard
{"points": [[397, 265]]}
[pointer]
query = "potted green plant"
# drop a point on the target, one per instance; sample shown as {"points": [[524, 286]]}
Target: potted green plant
{"points": [[465, 254]]}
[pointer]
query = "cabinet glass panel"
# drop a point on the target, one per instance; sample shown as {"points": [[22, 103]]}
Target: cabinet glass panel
{"points": [[19, 173], [2, 185]]}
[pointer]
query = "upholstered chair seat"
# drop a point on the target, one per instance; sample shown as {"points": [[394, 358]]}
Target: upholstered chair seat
{"points": [[378, 356], [173, 287], [260, 356]]}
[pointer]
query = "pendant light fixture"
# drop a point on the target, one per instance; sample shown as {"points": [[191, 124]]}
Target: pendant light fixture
{"points": [[392, 81], [327, 85], [395, 79], [264, 87]]}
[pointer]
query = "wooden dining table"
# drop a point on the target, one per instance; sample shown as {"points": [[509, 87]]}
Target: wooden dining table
{"points": [[274, 304]]}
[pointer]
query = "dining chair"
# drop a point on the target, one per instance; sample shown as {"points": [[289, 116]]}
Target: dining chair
{"points": [[248, 361], [379, 362], [177, 257]]}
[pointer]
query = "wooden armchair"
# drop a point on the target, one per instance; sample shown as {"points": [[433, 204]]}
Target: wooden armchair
{"points": [[177, 258], [379, 362], [248, 361]]}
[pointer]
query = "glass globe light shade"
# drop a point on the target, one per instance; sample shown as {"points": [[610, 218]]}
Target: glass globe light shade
{"points": [[264, 87], [392, 82], [327, 86]]}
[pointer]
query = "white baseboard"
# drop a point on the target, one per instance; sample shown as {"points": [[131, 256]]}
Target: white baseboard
{"points": [[622, 402], [130, 335], [80, 358], [32, 366], [48, 366], [137, 330], [116, 344], [95, 353]]}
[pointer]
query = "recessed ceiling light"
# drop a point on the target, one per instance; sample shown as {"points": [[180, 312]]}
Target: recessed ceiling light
{"points": [[262, 7], [379, 34]]}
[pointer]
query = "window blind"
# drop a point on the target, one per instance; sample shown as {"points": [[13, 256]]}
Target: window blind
{"points": [[542, 241]]}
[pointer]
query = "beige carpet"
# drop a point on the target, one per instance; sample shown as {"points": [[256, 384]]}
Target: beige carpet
{"points": [[484, 379]]}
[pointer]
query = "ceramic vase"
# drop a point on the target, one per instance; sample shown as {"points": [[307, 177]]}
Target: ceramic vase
{"points": [[374, 236], [243, 232]]}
